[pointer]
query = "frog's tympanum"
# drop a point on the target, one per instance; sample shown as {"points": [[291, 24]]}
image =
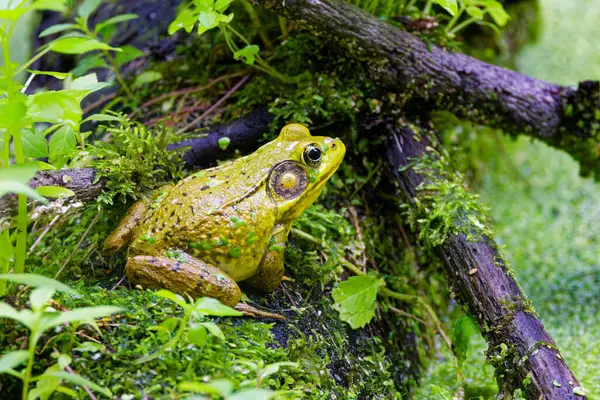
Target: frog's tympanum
{"points": [[229, 223]]}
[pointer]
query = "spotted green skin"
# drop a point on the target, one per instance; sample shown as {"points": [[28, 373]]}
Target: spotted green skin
{"points": [[225, 224]]}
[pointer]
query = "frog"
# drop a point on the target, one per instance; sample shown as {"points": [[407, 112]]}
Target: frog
{"points": [[227, 224]]}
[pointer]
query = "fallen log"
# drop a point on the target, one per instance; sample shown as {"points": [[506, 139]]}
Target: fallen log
{"points": [[429, 77], [521, 350]]}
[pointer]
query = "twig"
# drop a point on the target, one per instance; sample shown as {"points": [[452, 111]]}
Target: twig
{"points": [[217, 104], [188, 110], [45, 231], [185, 91], [87, 231], [99, 102]]}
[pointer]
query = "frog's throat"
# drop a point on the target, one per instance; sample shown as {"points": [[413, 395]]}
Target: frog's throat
{"points": [[243, 196]]}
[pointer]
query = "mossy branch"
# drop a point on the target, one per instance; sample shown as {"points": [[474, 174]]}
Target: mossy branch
{"points": [[427, 77], [450, 221]]}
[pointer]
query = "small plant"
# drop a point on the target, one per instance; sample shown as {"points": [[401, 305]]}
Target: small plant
{"points": [[39, 319], [211, 14], [80, 38], [225, 388], [196, 331]]}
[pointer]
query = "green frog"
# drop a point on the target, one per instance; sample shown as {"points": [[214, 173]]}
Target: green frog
{"points": [[229, 223]]}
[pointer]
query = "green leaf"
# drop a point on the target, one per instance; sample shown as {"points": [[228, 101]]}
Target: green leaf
{"points": [[62, 142], [185, 19], [88, 83], [82, 315], [81, 381], [210, 306], [58, 192], [213, 329], [147, 77], [178, 299], [475, 12], [57, 75], [197, 335], [35, 280], [464, 328], [252, 394], [355, 299], [87, 8], [13, 359], [64, 360], [13, 113], [115, 20], [101, 117], [50, 5], [24, 317], [440, 393], [208, 19], [128, 54], [222, 5], [78, 45], [6, 247], [45, 385], [55, 107], [275, 367], [497, 12], [221, 387], [22, 173], [7, 186], [34, 144], [89, 347], [448, 5], [90, 62], [45, 166], [248, 54], [56, 29], [40, 297]]}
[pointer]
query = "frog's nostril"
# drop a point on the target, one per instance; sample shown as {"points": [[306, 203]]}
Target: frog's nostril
{"points": [[333, 146]]}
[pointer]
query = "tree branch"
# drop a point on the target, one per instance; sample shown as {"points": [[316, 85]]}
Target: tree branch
{"points": [[434, 78], [519, 347]]}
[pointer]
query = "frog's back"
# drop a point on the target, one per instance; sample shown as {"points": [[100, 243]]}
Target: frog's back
{"points": [[221, 215]]}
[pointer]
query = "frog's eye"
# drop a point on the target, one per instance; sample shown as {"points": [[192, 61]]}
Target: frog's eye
{"points": [[312, 154], [288, 180]]}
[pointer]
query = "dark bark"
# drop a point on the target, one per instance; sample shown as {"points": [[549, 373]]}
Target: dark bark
{"points": [[245, 133], [79, 180], [484, 285], [430, 77]]}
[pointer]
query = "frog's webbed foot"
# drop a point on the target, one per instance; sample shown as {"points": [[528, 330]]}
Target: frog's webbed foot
{"points": [[188, 276], [253, 312]]}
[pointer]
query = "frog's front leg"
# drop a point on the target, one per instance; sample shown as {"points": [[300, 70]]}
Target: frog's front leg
{"points": [[184, 275], [270, 270]]}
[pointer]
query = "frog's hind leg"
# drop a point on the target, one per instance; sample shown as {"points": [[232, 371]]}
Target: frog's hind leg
{"points": [[123, 233], [186, 276]]}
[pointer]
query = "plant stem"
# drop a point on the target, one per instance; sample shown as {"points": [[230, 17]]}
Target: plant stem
{"points": [[27, 374], [427, 8], [462, 25], [454, 20], [119, 77], [257, 24], [32, 60], [22, 217], [283, 25]]}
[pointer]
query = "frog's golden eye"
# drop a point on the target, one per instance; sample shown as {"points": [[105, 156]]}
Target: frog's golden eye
{"points": [[312, 154], [288, 180]]}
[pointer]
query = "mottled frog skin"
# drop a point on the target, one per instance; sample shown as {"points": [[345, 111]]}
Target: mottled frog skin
{"points": [[229, 223]]}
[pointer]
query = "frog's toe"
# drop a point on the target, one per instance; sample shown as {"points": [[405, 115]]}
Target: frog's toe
{"points": [[254, 312]]}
